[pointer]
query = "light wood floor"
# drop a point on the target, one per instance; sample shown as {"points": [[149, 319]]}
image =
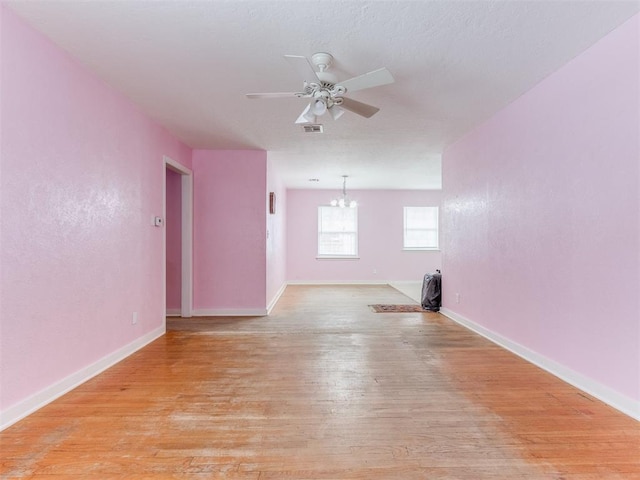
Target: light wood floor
{"points": [[324, 389]]}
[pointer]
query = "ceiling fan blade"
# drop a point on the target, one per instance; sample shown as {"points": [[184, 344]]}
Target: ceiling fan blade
{"points": [[303, 67], [360, 108], [382, 76], [275, 95]]}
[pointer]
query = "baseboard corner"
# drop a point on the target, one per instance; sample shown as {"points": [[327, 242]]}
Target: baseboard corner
{"points": [[29, 405]]}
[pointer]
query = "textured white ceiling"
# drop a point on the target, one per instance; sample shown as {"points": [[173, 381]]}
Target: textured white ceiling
{"points": [[188, 64]]}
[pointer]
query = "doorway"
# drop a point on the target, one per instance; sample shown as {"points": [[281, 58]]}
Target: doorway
{"points": [[178, 244]]}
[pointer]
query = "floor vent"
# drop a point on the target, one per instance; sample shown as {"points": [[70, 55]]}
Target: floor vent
{"points": [[312, 128]]}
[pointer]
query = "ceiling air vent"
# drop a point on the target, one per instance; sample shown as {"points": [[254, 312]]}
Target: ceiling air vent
{"points": [[312, 128]]}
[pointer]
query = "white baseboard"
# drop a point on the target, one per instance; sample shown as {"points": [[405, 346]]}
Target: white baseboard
{"points": [[230, 312], [173, 312], [240, 312], [620, 402], [38, 400], [276, 297]]}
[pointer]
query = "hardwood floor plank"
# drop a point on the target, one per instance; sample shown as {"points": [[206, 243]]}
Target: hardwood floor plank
{"points": [[324, 388]]}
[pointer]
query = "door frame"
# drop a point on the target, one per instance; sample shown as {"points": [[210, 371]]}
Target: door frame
{"points": [[186, 175]]}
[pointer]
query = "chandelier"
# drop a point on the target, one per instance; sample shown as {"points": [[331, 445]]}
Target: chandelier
{"points": [[344, 200]]}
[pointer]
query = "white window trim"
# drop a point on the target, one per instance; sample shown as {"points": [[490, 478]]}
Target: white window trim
{"points": [[333, 256], [404, 229]]}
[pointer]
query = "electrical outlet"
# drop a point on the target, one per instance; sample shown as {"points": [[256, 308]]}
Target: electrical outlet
{"points": [[457, 298], [134, 318], [375, 270]]}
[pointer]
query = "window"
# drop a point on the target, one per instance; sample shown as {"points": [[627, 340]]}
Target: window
{"points": [[420, 228], [337, 232]]}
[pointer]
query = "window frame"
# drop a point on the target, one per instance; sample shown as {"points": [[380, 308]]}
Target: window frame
{"points": [[355, 232], [405, 211]]}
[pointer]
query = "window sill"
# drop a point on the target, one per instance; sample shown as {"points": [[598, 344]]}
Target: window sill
{"points": [[337, 257], [421, 249]]}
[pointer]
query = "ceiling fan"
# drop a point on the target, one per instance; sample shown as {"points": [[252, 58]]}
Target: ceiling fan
{"points": [[325, 92]]}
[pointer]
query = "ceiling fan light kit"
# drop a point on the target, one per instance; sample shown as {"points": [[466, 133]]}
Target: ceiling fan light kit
{"points": [[325, 92]]}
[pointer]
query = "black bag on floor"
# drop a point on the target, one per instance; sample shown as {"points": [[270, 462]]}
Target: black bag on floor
{"points": [[431, 291]]}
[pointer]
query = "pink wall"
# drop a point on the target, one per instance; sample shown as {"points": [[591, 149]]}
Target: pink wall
{"points": [[173, 225], [230, 198], [380, 233], [541, 217], [276, 236], [82, 173]]}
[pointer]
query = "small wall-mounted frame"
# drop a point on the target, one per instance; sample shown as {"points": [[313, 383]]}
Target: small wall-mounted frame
{"points": [[272, 203]]}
